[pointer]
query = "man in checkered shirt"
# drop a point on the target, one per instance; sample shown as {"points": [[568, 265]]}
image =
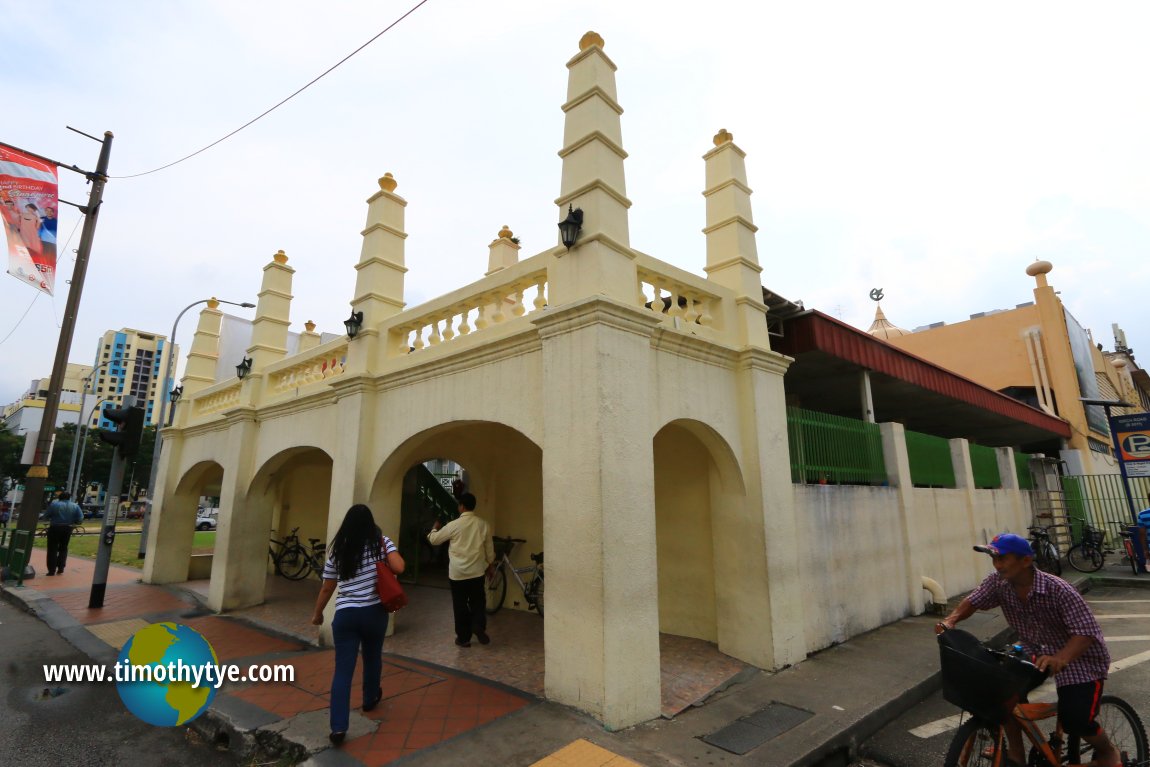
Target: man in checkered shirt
{"points": [[1056, 628]]}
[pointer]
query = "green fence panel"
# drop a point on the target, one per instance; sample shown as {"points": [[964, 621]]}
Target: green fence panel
{"points": [[930, 462], [830, 448], [984, 465], [1022, 467], [1100, 499]]}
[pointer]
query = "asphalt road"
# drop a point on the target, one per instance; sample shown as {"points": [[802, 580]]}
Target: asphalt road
{"points": [[922, 735], [84, 724]]}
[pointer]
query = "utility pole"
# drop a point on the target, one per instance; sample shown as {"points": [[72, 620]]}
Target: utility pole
{"points": [[38, 472]]}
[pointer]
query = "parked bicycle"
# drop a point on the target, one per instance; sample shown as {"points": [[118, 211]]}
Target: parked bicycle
{"points": [[1089, 554], [1046, 555], [497, 580], [42, 531], [1128, 547], [991, 685], [290, 542], [299, 561]]}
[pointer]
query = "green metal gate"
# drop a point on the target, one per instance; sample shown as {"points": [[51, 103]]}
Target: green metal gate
{"points": [[1100, 499]]}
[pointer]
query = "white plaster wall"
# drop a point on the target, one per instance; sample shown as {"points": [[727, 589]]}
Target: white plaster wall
{"points": [[852, 561], [852, 567]]}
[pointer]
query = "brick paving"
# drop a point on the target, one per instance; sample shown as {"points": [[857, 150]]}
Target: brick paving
{"points": [[434, 692]]}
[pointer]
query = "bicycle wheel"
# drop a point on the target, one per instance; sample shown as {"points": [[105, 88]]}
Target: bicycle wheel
{"points": [[1084, 559], [976, 744], [1048, 560], [496, 591], [295, 564], [1133, 560], [1120, 721], [537, 593]]}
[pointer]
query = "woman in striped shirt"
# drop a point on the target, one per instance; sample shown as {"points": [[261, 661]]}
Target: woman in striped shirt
{"points": [[360, 620]]}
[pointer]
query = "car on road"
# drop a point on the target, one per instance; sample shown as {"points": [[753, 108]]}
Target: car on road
{"points": [[206, 519]]}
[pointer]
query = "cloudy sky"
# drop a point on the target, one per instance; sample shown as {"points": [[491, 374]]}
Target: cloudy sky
{"points": [[932, 150]]}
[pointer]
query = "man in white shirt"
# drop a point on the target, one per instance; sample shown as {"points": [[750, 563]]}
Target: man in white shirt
{"points": [[471, 554]]}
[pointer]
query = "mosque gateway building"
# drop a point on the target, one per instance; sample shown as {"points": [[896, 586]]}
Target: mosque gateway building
{"points": [[624, 415]]}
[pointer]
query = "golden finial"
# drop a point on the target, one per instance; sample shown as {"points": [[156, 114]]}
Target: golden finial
{"points": [[388, 183], [214, 303], [309, 326], [505, 233], [280, 257], [589, 39], [724, 136]]}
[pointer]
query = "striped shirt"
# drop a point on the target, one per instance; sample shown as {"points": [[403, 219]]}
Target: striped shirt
{"points": [[1052, 613], [359, 590]]}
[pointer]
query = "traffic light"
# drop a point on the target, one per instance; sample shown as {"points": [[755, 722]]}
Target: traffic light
{"points": [[131, 428]]}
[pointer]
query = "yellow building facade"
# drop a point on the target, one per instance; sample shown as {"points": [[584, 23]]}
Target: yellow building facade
{"points": [[1038, 353], [624, 414]]}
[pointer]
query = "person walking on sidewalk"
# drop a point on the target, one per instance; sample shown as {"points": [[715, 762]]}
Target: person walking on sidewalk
{"points": [[62, 514], [472, 554], [360, 619], [1057, 628]]}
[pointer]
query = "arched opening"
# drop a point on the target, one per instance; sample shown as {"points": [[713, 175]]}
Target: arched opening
{"points": [[431, 491], [204, 488], [177, 551], [290, 493], [504, 470], [699, 498]]}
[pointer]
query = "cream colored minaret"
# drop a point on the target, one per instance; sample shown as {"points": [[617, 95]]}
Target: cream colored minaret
{"points": [[270, 327], [200, 372], [308, 339], [732, 255], [504, 251], [600, 261], [379, 282]]}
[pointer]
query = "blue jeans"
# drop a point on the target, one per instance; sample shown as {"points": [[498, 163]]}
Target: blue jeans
{"points": [[353, 628]]}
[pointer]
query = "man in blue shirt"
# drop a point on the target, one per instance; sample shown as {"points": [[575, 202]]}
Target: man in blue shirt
{"points": [[62, 514]]}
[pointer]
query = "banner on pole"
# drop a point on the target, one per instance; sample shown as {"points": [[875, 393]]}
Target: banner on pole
{"points": [[28, 203]]}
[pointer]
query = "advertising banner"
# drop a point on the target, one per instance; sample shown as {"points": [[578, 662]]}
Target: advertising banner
{"points": [[1132, 438], [28, 202]]}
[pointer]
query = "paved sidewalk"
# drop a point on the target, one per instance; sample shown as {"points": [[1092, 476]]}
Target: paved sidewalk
{"points": [[433, 715]]}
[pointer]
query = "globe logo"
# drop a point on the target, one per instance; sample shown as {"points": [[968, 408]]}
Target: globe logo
{"points": [[167, 651]]}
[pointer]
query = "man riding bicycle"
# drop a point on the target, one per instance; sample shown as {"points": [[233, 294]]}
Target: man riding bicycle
{"points": [[1057, 629]]}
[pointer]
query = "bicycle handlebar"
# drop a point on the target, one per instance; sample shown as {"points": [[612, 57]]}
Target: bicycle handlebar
{"points": [[507, 540]]}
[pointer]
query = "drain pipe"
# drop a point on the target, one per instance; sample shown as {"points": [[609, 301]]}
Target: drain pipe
{"points": [[937, 595]]}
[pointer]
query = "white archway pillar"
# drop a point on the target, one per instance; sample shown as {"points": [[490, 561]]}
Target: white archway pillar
{"points": [[239, 565], [602, 624]]}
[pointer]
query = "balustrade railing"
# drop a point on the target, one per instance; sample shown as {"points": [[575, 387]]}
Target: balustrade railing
{"points": [[320, 364], [211, 402], [677, 300], [489, 307]]}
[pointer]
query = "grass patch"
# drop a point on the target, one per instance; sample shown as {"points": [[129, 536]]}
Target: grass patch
{"points": [[126, 548]]}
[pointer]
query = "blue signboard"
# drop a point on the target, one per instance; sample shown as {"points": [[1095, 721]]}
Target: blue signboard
{"points": [[1132, 443]]}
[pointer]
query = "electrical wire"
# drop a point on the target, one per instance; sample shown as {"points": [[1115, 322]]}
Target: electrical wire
{"points": [[65, 250], [331, 69]]}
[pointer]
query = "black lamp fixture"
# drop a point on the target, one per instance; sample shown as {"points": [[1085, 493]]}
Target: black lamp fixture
{"points": [[569, 227], [353, 324], [244, 367], [175, 394]]}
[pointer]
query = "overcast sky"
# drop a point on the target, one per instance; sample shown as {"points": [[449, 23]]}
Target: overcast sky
{"points": [[933, 150]]}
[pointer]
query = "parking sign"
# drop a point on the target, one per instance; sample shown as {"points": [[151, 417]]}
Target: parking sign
{"points": [[1132, 440]]}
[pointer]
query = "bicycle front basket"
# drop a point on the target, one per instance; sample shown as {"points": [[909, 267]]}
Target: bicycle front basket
{"points": [[501, 548], [981, 682]]}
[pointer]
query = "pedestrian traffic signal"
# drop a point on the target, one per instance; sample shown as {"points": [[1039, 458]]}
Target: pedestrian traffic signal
{"points": [[131, 428]]}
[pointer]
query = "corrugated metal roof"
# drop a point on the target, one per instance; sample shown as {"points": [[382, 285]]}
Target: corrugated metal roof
{"points": [[815, 331]]}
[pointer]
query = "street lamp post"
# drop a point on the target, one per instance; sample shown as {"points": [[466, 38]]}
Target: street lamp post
{"points": [[163, 408]]}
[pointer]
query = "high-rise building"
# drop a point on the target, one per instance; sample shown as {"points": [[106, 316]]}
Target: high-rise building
{"points": [[128, 362]]}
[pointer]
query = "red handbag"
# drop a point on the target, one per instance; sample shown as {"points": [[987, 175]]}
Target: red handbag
{"points": [[387, 585]]}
